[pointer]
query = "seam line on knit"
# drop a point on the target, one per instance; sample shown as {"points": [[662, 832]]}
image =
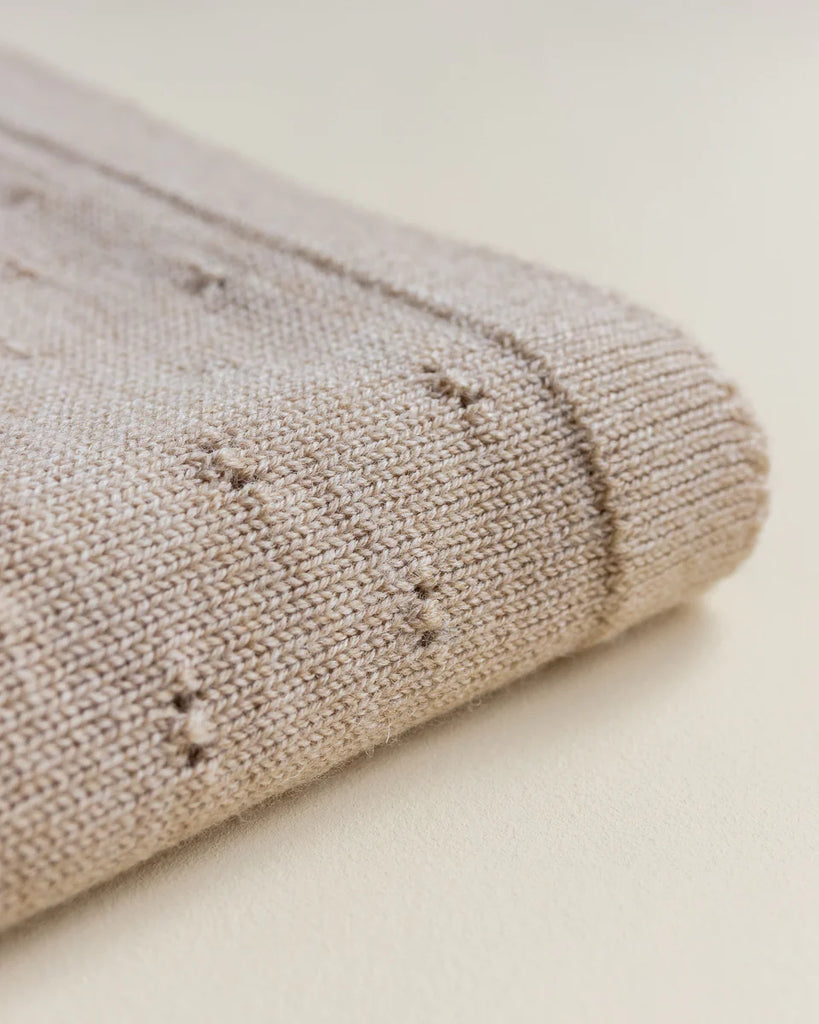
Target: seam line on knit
{"points": [[586, 445]]}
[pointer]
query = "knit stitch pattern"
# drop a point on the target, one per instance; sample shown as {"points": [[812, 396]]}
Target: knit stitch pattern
{"points": [[281, 480]]}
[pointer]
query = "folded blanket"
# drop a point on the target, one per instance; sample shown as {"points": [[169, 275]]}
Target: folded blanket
{"points": [[280, 480]]}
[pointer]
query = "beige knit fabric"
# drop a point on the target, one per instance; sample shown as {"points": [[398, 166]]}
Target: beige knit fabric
{"points": [[281, 480]]}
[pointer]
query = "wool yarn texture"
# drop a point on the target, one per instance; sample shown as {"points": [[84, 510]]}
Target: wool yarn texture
{"points": [[281, 480]]}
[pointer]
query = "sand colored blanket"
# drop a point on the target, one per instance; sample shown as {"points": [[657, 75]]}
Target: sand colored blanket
{"points": [[281, 479]]}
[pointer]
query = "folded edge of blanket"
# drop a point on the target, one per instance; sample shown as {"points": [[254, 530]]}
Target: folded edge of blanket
{"points": [[675, 461]]}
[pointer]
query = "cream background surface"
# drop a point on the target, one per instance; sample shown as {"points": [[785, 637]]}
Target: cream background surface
{"points": [[632, 834]]}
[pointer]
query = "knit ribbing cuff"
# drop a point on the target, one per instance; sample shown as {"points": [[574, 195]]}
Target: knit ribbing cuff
{"points": [[679, 461]]}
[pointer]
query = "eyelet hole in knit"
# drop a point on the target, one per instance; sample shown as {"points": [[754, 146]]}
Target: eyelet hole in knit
{"points": [[183, 701], [196, 727], [429, 618], [19, 195], [195, 754], [17, 271], [447, 386], [231, 464], [196, 280], [467, 398]]}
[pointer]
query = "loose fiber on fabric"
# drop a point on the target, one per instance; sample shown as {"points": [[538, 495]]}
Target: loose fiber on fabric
{"points": [[280, 480]]}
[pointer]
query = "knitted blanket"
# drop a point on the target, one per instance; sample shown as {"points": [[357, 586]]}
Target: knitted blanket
{"points": [[281, 480]]}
